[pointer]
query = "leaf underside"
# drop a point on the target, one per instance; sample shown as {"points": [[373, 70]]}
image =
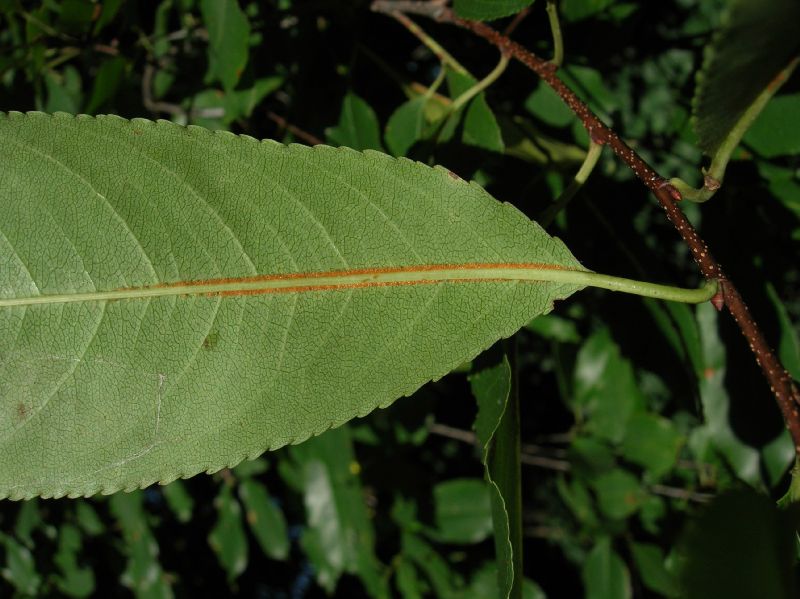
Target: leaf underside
{"points": [[98, 395], [755, 42]]}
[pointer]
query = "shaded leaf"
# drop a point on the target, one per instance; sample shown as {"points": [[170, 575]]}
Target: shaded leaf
{"points": [[227, 538], [74, 580], [228, 39], [179, 500], [106, 83], [754, 43], [143, 573], [478, 124], [652, 442], [358, 126], [339, 537], [20, 569], [405, 126], [253, 334], [605, 575], [741, 546], [649, 561], [265, 518], [463, 511], [619, 493], [776, 131]]}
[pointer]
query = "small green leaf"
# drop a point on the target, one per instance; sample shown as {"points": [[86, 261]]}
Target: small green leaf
{"points": [[479, 125], [652, 442], [605, 386], [227, 538], [756, 41], [463, 512], [649, 561], [265, 518], [340, 537], [87, 518], [358, 126], [605, 575], [228, 41], [442, 578], [29, 518], [619, 493], [407, 580], [106, 83], [73, 580], [741, 546], [789, 346], [63, 90], [548, 106], [486, 10], [405, 126], [143, 573], [20, 569], [179, 500], [241, 103], [776, 131], [555, 328]]}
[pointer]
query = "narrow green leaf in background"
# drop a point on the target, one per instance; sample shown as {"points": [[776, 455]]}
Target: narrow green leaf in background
{"points": [[756, 41], [649, 560], [227, 538], [20, 569], [477, 121], [605, 575], [463, 512], [240, 334], [179, 500], [340, 535], [619, 493], [652, 442], [228, 41], [73, 580], [143, 573], [266, 519], [406, 125], [488, 9], [358, 126], [106, 83]]}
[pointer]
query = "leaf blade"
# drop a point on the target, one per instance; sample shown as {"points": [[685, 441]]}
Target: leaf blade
{"points": [[209, 381]]}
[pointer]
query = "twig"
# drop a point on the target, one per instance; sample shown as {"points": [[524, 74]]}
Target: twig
{"points": [[443, 55], [531, 457], [147, 96], [282, 123], [781, 384]]}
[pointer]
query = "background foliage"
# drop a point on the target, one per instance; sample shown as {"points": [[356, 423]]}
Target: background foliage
{"points": [[635, 413]]}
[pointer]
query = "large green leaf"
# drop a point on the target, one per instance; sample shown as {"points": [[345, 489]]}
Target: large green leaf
{"points": [[756, 41], [174, 300]]}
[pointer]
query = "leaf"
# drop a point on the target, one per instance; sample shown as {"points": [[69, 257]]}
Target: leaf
{"points": [[754, 43], [106, 83], [492, 389], [228, 41], [619, 493], [776, 131], [605, 575], [20, 569], [143, 573], [358, 126], [652, 442], [575, 10], [265, 518], [339, 537], [741, 546], [548, 106], [227, 538], [605, 386], [484, 10], [405, 126], [179, 500], [230, 296], [649, 562], [463, 511], [480, 127], [74, 580]]}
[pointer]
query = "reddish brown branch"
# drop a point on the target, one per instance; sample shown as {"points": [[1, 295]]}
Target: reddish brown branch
{"points": [[299, 133], [781, 384]]}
